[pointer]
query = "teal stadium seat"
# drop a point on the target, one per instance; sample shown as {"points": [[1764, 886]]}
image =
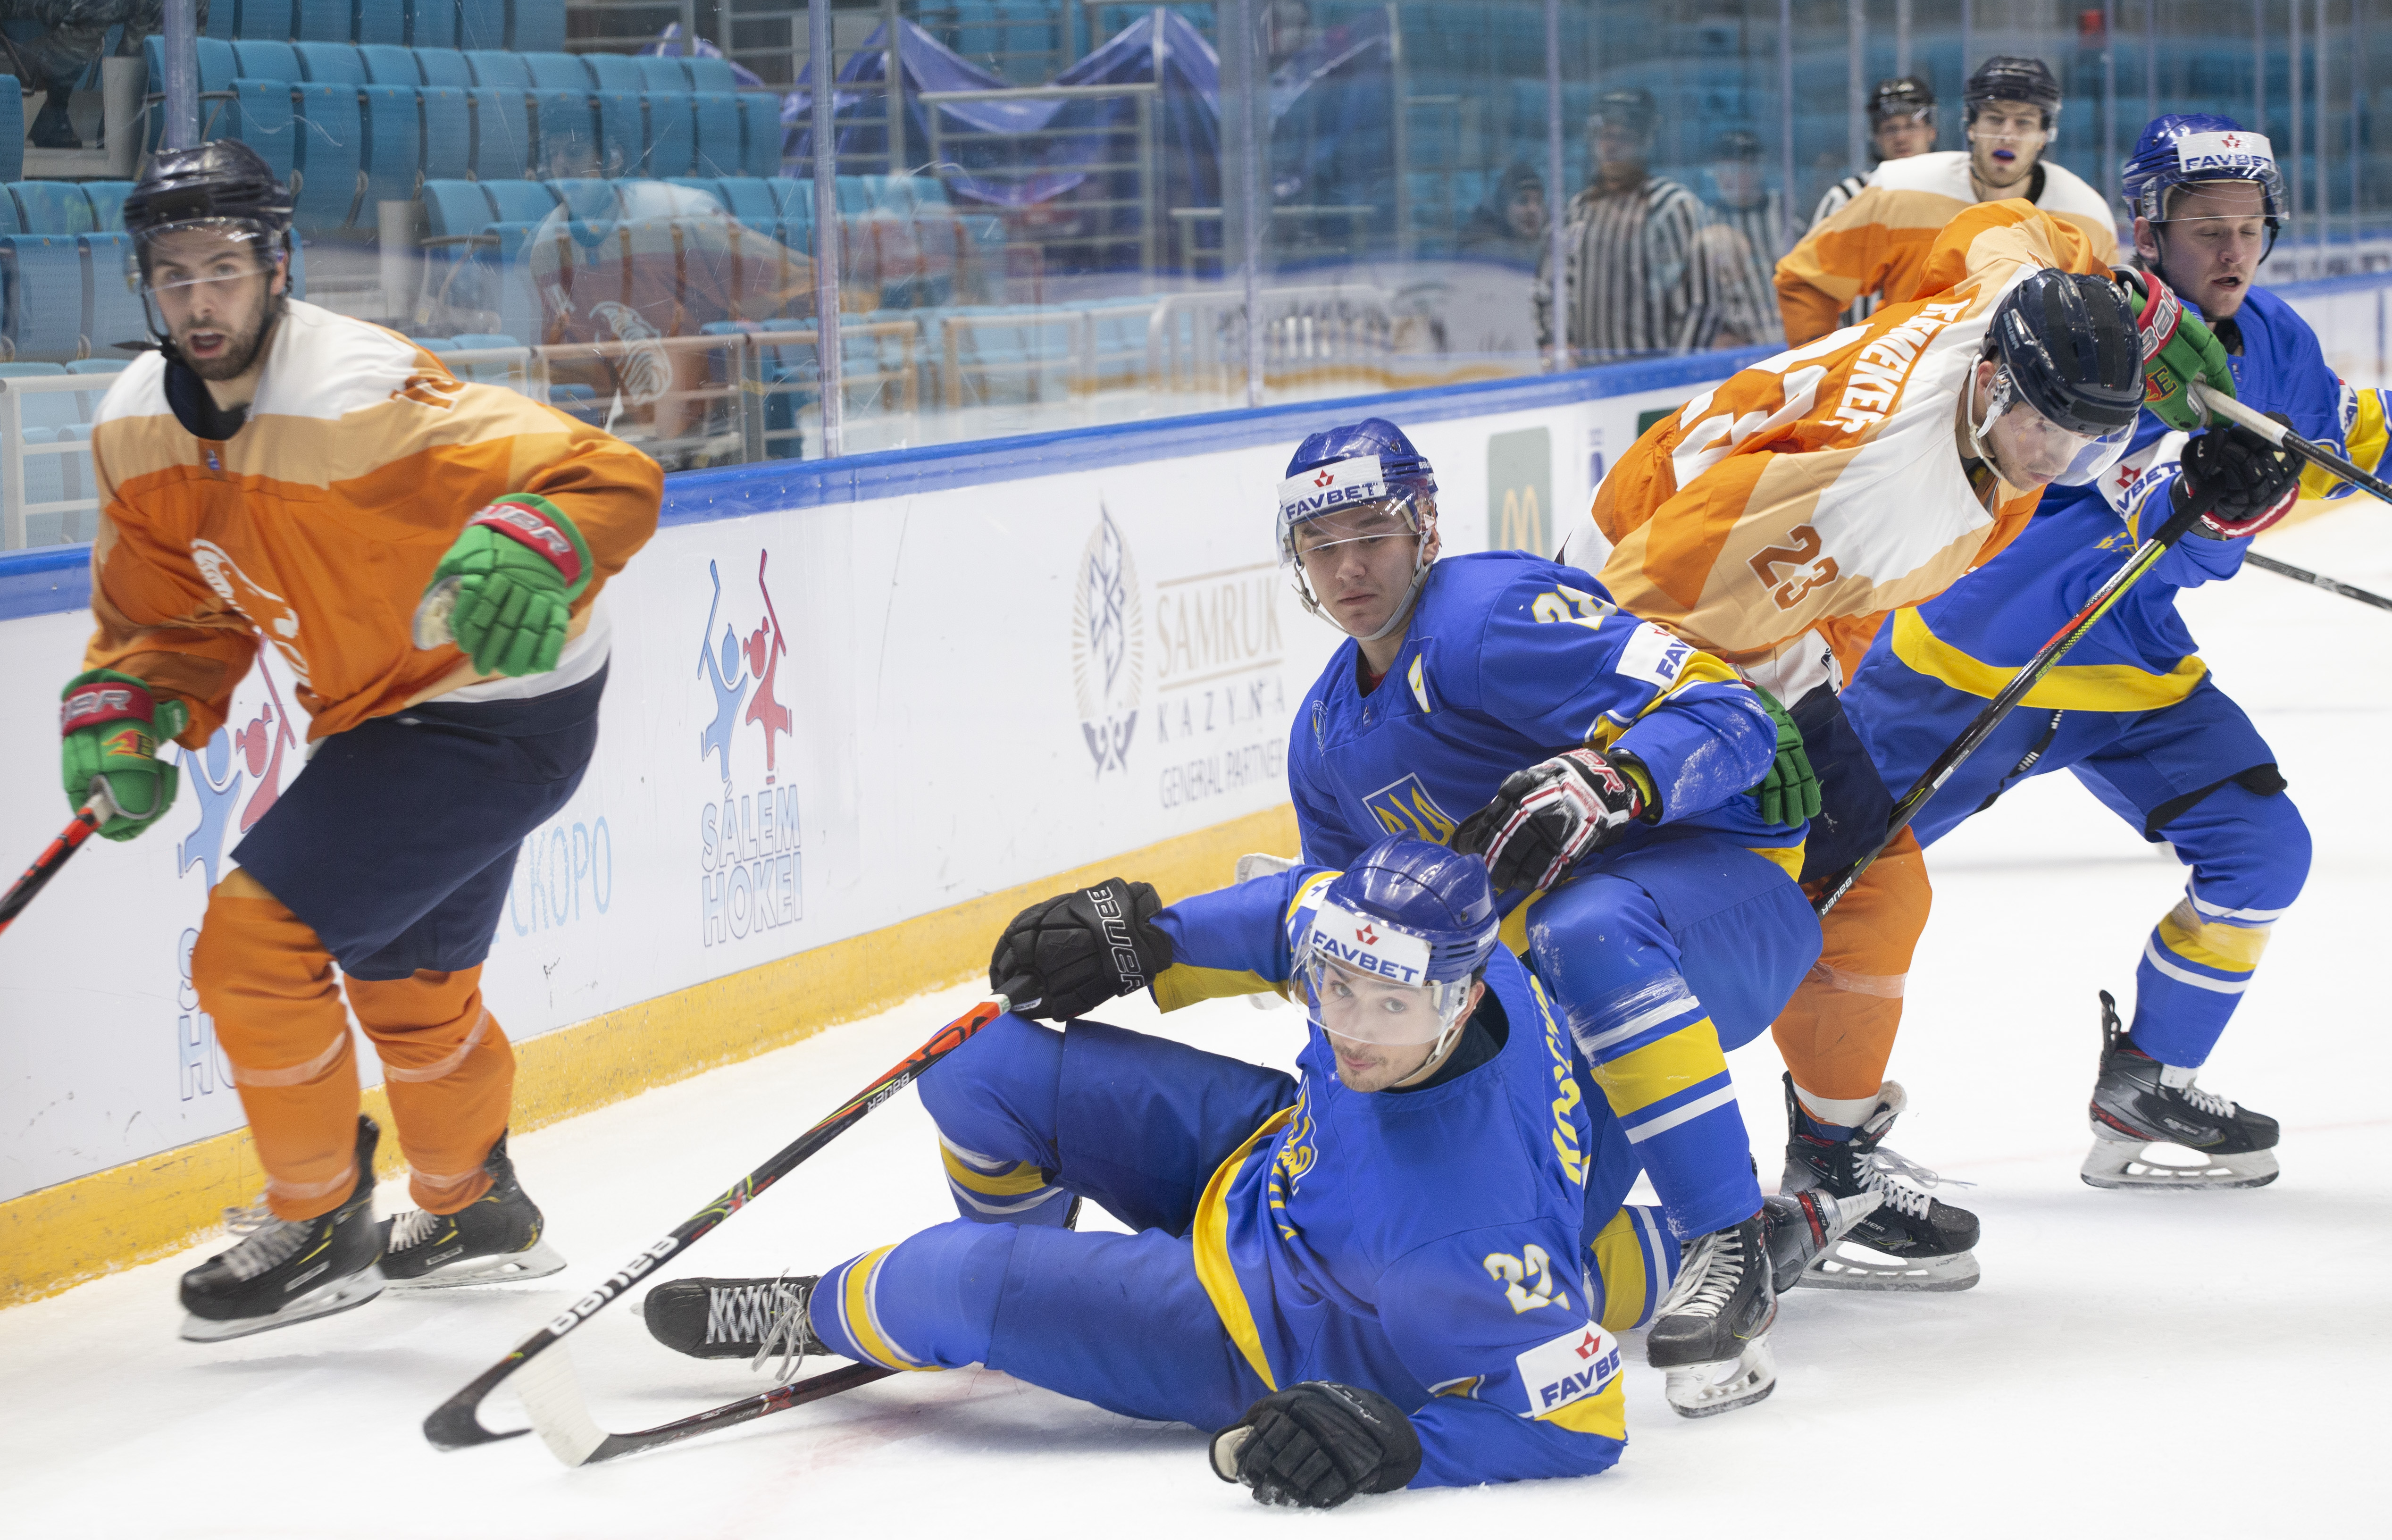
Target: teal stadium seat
{"points": [[393, 124], [331, 63], [660, 73], [262, 19], [382, 22], [536, 26], [44, 285], [492, 67], [51, 208], [326, 21], [482, 24], [447, 131], [622, 134], [388, 65], [110, 313], [616, 72], [267, 60], [261, 118], [672, 139], [716, 148], [444, 67], [330, 140], [762, 139], [431, 23], [568, 134], [709, 74], [503, 135], [558, 72], [107, 203]]}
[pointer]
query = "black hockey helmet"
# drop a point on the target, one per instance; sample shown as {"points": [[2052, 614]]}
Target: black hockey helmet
{"points": [[222, 183], [2011, 77], [2068, 343], [1632, 108], [1902, 97]]}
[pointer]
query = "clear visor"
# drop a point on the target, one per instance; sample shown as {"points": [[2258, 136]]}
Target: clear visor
{"points": [[1365, 1008], [221, 254], [2032, 450], [1395, 517], [1981, 132]]}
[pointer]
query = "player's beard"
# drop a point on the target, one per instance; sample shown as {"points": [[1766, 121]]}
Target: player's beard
{"points": [[240, 350]]}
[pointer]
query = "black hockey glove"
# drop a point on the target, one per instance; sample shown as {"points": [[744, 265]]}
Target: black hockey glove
{"points": [[2256, 482], [1318, 1443], [1545, 817], [1789, 793], [1080, 950]]}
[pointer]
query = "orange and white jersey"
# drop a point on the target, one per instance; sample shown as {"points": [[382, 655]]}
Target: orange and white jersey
{"points": [[1775, 518], [317, 526], [1877, 243]]}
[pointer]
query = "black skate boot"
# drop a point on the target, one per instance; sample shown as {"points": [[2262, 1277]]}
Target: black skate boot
{"points": [[494, 1239], [1923, 1244], [2139, 1101], [1803, 1225], [1710, 1335], [288, 1270], [749, 1318]]}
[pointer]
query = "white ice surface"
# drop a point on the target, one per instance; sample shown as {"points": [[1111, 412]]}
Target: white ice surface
{"points": [[2131, 1364]]}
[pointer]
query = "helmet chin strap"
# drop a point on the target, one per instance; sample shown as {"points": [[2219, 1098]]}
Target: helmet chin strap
{"points": [[1977, 431], [1403, 609]]}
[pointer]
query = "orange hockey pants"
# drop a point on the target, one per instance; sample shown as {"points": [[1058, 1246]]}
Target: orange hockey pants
{"points": [[263, 975], [1836, 1033]]}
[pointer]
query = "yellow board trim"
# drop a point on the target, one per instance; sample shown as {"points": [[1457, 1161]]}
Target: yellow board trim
{"points": [[2229, 949], [2087, 687], [1620, 1264], [1683, 1059], [1215, 1269], [1605, 1414], [56, 1237]]}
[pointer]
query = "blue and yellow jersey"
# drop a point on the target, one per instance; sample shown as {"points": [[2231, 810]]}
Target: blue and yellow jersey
{"points": [[1509, 660], [2140, 657], [1423, 1243]]}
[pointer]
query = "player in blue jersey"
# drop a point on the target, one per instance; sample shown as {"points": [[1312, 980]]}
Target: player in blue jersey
{"points": [[2132, 711], [1501, 702], [1365, 1277]]}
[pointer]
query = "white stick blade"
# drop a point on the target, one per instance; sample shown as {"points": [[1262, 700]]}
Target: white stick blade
{"points": [[551, 1393]]}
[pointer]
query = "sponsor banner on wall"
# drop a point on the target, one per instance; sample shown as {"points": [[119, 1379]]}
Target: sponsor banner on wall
{"points": [[819, 722]]}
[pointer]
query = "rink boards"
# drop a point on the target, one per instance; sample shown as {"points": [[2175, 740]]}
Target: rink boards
{"points": [[860, 712]]}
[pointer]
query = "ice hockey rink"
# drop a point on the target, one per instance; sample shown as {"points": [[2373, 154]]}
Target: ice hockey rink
{"points": [[2130, 1363]]}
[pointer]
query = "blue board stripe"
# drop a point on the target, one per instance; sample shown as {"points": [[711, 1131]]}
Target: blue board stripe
{"points": [[44, 580]]}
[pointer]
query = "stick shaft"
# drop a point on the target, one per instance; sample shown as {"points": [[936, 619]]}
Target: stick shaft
{"points": [[47, 864], [2315, 580]]}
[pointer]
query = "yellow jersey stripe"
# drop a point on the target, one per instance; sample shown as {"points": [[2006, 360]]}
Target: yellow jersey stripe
{"points": [[1184, 984], [1785, 859], [1680, 1061], [855, 1305], [1605, 1414], [1214, 1269], [1017, 1179], [2087, 687], [1620, 1264], [2231, 948]]}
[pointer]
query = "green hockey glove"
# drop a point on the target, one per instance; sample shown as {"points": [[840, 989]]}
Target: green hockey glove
{"points": [[110, 727], [504, 591], [1789, 793], [2179, 348]]}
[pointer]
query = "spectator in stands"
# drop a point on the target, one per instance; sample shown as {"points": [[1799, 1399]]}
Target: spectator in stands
{"points": [[1746, 236], [1636, 282], [1509, 227], [71, 34]]}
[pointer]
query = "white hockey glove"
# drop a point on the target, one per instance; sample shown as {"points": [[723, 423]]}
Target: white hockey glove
{"points": [[1545, 819]]}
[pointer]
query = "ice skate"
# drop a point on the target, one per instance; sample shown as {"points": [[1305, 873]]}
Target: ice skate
{"points": [[1920, 1243], [494, 1239], [287, 1270], [749, 1318], [1710, 1335], [2140, 1104]]}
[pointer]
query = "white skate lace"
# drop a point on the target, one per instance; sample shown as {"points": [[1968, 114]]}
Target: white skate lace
{"points": [[412, 1228], [266, 1239], [1883, 1171], [1710, 1277], [2207, 1101], [787, 1336]]}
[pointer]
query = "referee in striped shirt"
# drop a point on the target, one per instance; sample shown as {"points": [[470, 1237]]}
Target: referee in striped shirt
{"points": [[1747, 235], [1635, 280]]}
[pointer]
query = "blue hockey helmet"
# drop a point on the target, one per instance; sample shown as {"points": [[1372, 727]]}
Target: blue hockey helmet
{"points": [[1392, 946], [1370, 473], [2187, 148]]}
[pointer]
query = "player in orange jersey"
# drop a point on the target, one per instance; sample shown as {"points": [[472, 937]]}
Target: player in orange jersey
{"points": [[1775, 519], [276, 473]]}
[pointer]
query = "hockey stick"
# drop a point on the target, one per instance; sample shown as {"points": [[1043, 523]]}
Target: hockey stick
{"points": [[2301, 574], [2218, 404], [96, 810], [551, 1395], [1973, 737]]}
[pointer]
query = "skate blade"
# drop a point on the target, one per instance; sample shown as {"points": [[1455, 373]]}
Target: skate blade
{"points": [[2117, 1165], [1848, 1264], [1707, 1390], [539, 1262], [332, 1300]]}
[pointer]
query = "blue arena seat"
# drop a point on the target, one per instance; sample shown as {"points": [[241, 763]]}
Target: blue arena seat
{"points": [[522, 203], [260, 119], [394, 146], [51, 208], [44, 278], [482, 24], [262, 19], [222, 19], [716, 147], [513, 298], [762, 138], [112, 308], [617, 72], [660, 73], [382, 21], [454, 209], [622, 134], [558, 72], [586, 199], [326, 21], [709, 74], [568, 133], [444, 67], [432, 23], [265, 59], [386, 64], [536, 26], [448, 132], [672, 143], [107, 203], [331, 63], [12, 129], [502, 137], [331, 151], [747, 200], [493, 68]]}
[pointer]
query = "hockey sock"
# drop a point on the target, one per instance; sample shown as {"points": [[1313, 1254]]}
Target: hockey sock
{"points": [[2250, 857], [262, 974], [1836, 1033], [1635, 1260], [928, 1302], [995, 1101], [450, 1074], [997, 1191]]}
